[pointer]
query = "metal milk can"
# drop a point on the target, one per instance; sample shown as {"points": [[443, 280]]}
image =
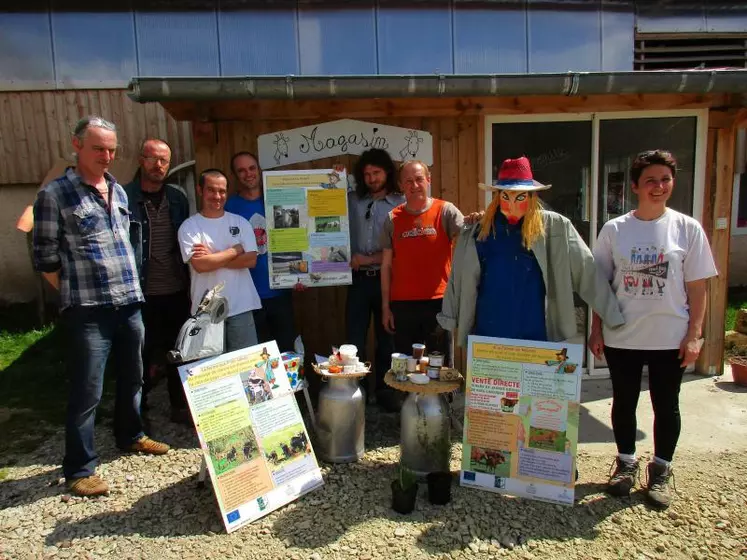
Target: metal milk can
{"points": [[341, 420], [425, 433]]}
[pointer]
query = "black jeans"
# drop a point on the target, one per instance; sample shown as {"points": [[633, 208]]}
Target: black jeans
{"points": [[274, 321], [364, 299], [163, 316], [664, 380], [415, 321]]}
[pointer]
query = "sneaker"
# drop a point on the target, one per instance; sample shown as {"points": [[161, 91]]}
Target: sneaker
{"points": [[623, 479], [88, 486], [149, 446], [658, 493]]}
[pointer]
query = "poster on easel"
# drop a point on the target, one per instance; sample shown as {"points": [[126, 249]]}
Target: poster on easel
{"points": [[307, 228], [251, 432], [521, 418]]}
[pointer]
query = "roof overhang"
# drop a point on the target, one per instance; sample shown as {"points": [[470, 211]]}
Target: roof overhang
{"points": [[147, 89]]}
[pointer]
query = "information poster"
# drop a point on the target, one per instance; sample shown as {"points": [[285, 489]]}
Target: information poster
{"points": [[307, 228], [250, 429], [521, 418]]}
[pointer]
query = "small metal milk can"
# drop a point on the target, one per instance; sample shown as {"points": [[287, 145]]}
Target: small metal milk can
{"points": [[341, 420], [425, 433]]}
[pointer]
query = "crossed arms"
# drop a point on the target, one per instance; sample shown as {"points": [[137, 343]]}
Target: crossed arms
{"points": [[205, 260]]}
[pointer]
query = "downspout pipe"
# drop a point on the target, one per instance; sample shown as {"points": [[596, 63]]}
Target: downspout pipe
{"points": [[146, 89]]}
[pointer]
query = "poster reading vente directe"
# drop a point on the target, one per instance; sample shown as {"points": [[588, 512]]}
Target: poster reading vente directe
{"points": [[521, 418], [251, 432], [307, 228]]}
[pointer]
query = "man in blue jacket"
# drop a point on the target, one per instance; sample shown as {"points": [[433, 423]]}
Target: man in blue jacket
{"points": [[274, 321], [158, 209]]}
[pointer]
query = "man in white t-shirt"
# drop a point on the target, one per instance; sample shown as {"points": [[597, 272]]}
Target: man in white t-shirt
{"points": [[221, 247]]}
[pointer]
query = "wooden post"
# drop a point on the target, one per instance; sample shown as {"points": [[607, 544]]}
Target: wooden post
{"points": [[711, 360]]}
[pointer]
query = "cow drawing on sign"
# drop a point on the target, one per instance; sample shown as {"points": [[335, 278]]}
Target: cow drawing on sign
{"points": [[412, 145], [281, 146]]}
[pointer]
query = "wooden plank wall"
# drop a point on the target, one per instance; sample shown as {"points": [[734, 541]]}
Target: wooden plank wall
{"points": [[35, 128], [717, 204], [320, 312]]}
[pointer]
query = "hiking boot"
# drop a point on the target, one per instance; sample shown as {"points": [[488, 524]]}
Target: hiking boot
{"points": [[88, 486], [149, 446], [658, 493], [623, 479]]}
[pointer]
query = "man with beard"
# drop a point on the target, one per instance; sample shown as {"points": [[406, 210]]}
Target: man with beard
{"points": [[159, 209], [274, 321], [375, 195]]}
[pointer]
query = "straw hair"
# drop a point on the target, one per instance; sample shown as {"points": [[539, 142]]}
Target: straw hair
{"points": [[532, 228]]}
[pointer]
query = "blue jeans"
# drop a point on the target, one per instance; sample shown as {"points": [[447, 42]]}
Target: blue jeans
{"points": [[93, 333], [239, 331]]}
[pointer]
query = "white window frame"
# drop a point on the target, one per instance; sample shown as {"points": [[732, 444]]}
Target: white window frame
{"points": [[699, 178]]}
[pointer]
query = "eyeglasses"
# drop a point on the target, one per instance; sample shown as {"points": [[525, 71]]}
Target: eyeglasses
{"points": [[368, 210], [159, 160]]}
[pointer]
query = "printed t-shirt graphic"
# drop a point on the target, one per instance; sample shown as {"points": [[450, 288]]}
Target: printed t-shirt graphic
{"points": [[644, 276]]}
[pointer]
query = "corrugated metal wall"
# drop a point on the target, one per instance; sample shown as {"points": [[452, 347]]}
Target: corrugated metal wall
{"points": [[46, 49], [35, 128]]}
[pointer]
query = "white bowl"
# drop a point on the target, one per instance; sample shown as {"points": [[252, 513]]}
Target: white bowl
{"points": [[419, 378]]}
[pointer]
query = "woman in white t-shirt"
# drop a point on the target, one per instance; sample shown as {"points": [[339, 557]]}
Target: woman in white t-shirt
{"points": [[657, 261]]}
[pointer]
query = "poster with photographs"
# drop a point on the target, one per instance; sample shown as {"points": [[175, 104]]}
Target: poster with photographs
{"points": [[307, 228], [521, 418], [254, 442]]}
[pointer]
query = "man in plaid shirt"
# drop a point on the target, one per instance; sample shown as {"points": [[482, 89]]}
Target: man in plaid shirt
{"points": [[82, 247]]}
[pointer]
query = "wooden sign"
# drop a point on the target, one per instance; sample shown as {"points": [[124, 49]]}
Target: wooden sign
{"points": [[342, 137]]}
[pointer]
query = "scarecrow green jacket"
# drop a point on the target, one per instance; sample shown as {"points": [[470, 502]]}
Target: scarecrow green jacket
{"points": [[567, 266]]}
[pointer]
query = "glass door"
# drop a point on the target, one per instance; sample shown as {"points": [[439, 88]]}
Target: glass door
{"points": [[619, 142], [560, 154]]}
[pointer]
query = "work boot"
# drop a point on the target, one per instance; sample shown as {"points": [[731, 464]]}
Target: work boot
{"points": [[623, 479], [88, 486], [658, 493], [148, 446]]}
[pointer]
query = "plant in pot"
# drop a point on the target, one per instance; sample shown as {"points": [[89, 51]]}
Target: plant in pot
{"points": [[739, 369], [404, 490], [439, 487]]}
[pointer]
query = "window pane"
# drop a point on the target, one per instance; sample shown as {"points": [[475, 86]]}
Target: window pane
{"points": [[258, 42], [742, 209], [93, 59], [560, 155], [414, 40], [177, 43], [338, 40], [621, 140], [25, 51]]}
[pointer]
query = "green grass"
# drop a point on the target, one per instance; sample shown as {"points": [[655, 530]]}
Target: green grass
{"points": [[32, 387], [33, 382]]}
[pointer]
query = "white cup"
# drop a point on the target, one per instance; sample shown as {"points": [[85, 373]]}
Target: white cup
{"points": [[412, 364]]}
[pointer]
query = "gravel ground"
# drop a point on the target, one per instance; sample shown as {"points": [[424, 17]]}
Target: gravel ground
{"points": [[156, 509]]}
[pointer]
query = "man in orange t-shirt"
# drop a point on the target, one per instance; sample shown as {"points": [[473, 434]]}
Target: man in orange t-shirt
{"points": [[416, 262]]}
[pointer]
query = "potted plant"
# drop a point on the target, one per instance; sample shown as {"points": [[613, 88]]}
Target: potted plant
{"points": [[439, 487], [739, 369], [404, 490]]}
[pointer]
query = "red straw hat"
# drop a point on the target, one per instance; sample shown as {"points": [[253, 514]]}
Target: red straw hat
{"points": [[515, 175]]}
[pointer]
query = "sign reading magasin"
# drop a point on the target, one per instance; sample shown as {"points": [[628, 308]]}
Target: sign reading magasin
{"points": [[342, 137]]}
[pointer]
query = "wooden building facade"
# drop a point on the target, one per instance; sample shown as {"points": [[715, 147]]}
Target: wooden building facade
{"points": [[465, 153]]}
